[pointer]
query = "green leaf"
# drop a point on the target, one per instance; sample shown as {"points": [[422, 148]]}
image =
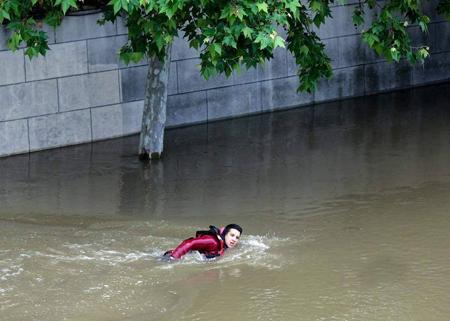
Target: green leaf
{"points": [[357, 18], [217, 48], [395, 54], [247, 32], [117, 5], [279, 42], [293, 5], [66, 4], [5, 15], [14, 41], [230, 41], [262, 6], [304, 50]]}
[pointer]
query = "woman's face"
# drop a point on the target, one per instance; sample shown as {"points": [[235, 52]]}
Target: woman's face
{"points": [[232, 238]]}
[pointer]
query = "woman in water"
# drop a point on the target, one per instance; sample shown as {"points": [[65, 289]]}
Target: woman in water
{"points": [[210, 243]]}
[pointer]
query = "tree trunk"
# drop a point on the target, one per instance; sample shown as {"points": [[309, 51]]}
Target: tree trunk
{"points": [[154, 117]]}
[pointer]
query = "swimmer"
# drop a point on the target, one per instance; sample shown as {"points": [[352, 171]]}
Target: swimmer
{"points": [[210, 243]]}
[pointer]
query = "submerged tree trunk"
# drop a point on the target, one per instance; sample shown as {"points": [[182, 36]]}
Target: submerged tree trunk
{"points": [[154, 117]]}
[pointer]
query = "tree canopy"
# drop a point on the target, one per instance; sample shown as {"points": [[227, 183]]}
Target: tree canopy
{"points": [[231, 34]]}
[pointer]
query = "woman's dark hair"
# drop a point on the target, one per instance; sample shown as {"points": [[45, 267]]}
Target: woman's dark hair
{"points": [[229, 227]]}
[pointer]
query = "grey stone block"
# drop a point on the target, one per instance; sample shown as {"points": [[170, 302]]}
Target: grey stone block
{"points": [[12, 68], [116, 120], [190, 79], [103, 53], [28, 99], [436, 68], [340, 24], [50, 31], [187, 108], [234, 101], [384, 76], [347, 82], [60, 129], [181, 49], [61, 60], [90, 90], [282, 93], [121, 26], [291, 64], [4, 35], [353, 51], [332, 51], [133, 83], [75, 28], [244, 75], [429, 9], [418, 38], [441, 36], [13, 137], [172, 87], [274, 68]]}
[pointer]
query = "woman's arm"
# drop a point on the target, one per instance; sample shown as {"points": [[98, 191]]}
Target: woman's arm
{"points": [[193, 244]]}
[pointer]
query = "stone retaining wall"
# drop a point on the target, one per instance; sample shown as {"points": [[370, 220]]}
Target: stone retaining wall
{"points": [[80, 92]]}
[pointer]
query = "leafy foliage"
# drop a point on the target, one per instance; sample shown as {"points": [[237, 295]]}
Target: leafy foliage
{"points": [[230, 34], [388, 34]]}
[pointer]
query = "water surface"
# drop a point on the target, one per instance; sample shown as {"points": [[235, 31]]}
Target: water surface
{"points": [[345, 209]]}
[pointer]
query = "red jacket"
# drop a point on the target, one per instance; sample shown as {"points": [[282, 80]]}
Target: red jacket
{"points": [[209, 245]]}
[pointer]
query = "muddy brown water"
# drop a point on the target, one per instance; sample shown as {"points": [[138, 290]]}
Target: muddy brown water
{"points": [[345, 208]]}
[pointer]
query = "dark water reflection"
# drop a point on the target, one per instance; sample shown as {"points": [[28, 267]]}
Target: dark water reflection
{"points": [[319, 152], [354, 195]]}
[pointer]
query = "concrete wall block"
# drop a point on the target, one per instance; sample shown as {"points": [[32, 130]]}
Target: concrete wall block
{"points": [[121, 26], [75, 28], [133, 83], [190, 79], [274, 68], [441, 36], [103, 53], [116, 120], [353, 51], [181, 49], [172, 88], [347, 82], [4, 35], [234, 101], [90, 90], [14, 137], [436, 68], [340, 25], [429, 9], [245, 75], [384, 76], [28, 100], [282, 93], [186, 108], [12, 68], [332, 51], [60, 130], [291, 64], [418, 38], [61, 60]]}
